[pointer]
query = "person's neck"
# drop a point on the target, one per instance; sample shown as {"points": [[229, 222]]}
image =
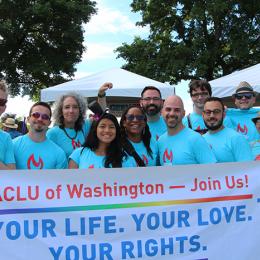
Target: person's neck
{"points": [[175, 130], [217, 130], [69, 125], [153, 118], [135, 138], [37, 137], [101, 150], [198, 110]]}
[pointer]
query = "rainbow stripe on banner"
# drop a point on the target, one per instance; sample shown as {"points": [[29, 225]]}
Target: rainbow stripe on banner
{"points": [[124, 205]]}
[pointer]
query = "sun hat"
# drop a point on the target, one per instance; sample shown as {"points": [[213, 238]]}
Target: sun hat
{"points": [[10, 123]]}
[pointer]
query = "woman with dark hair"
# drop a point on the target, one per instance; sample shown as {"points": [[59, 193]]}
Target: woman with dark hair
{"points": [[136, 137], [102, 148]]}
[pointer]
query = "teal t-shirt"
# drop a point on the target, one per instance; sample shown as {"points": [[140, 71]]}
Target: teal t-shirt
{"points": [[6, 148], [229, 146], [144, 155], [186, 147], [35, 156], [68, 139], [157, 128], [87, 159], [242, 122]]}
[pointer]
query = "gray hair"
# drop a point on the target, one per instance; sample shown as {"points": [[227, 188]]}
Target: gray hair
{"points": [[58, 115]]}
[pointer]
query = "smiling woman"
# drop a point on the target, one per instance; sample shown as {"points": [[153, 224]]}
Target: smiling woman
{"points": [[136, 137], [102, 148]]}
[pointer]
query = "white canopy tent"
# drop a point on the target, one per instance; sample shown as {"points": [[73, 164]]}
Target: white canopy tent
{"points": [[226, 86], [125, 84]]}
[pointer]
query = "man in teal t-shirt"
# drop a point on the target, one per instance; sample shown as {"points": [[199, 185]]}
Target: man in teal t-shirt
{"points": [[181, 145], [227, 144], [34, 150]]}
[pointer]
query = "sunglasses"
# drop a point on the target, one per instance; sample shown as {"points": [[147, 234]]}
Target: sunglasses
{"points": [[131, 117], [38, 115], [3, 102], [246, 95]]}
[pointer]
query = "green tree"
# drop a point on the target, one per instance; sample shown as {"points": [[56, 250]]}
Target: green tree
{"points": [[41, 41], [194, 39]]}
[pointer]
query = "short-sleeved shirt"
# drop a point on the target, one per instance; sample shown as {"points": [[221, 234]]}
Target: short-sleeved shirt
{"points": [[35, 156], [242, 122], [186, 147], [157, 128], [68, 139], [229, 146], [149, 160], [85, 158], [6, 148]]}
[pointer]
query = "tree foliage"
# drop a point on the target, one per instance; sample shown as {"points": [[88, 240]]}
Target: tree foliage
{"points": [[41, 41], [194, 39]]}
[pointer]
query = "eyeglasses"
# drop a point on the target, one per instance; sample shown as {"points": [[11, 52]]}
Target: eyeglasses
{"points": [[131, 117], [215, 112], [3, 102], [246, 95], [148, 99], [38, 115], [202, 94]]}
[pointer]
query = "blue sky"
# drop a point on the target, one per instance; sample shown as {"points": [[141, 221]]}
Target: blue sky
{"points": [[113, 24]]}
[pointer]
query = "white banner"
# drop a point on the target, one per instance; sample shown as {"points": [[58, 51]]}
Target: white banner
{"points": [[194, 212]]}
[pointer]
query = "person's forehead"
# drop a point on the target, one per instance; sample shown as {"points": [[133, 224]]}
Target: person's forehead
{"points": [[173, 103], [134, 110], [151, 93], [106, 121], [69, 100], [199, 89], [212, 105], [41, 109]]}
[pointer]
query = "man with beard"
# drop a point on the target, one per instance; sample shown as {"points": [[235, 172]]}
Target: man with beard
{"points": [[199, 91], [244, 98], [226, 143], [7, 161], [34, 150], [180, 144], [151, 102]]}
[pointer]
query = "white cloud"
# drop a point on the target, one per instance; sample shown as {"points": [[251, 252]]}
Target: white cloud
{"points": [[99, 51], [110, 20]]}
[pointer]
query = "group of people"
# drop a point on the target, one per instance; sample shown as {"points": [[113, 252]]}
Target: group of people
{"points": [[155, 132], [13, 126]]}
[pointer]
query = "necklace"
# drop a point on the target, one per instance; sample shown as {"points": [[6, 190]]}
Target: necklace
{"points": [[71, 138]]}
